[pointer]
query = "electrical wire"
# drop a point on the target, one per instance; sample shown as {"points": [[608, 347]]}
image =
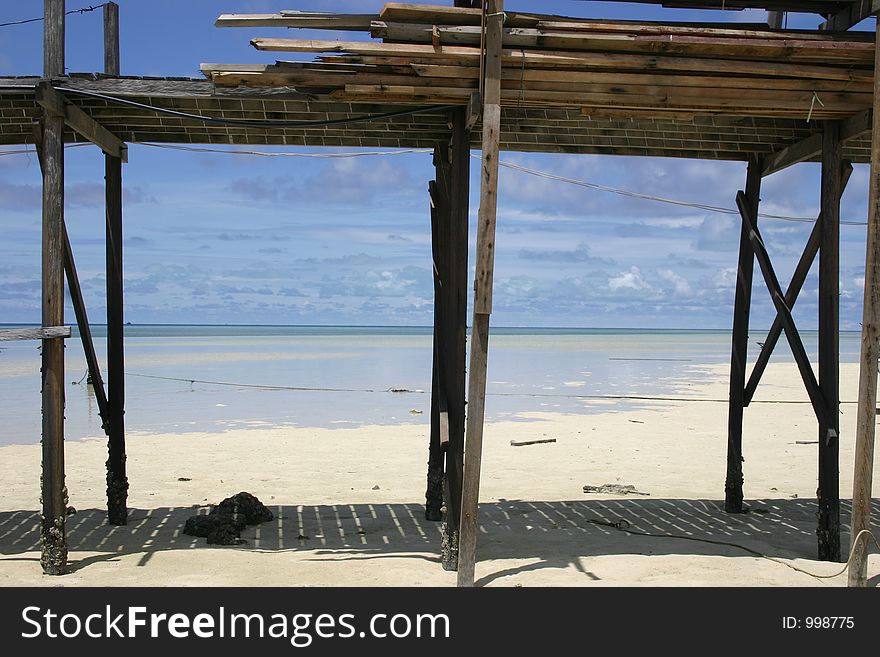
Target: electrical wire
{"points": [[257, 386], [72, 11], [651, 197]]}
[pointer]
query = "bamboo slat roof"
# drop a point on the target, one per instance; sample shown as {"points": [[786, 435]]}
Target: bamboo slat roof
{"points": [[571, 85]]}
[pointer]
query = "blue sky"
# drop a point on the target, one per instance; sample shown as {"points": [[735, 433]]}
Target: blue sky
{"points": [[214, 238]]}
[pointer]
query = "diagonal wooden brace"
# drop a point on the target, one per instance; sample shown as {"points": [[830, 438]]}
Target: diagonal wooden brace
{"points": [[820, 406], [791, 295], [49, 98]]}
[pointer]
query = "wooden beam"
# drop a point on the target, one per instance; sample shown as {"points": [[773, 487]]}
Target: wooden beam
{"points": [[56, 105], [117, 481], [315, 20], [828, 492], [85, 331], [851, 15], [485, 262], [45, 333], [791, 296], [863, 465], [811, 147], [53, 535], [820, 406], [111, 38], [733, 486]]}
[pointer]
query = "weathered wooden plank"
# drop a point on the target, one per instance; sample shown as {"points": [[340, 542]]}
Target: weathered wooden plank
{"points": [[828, 492], [53, 536], [863, 462], [410, 53], [483, 279], [694, 44], [733, 486], [603, 61], [46, 333], [78, 120], [569, 76], [302, 19]]}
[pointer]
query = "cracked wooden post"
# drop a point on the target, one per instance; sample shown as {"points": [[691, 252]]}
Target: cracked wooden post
{"points": [[733, 487], [485, 262], [117, 481], [828, 492], [53, 539], [866, 417]]}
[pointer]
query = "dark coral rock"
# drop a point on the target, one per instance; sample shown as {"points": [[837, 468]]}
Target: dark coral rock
{"points": [[244, 506], [204, 526], [225, 534], [226, 521]]}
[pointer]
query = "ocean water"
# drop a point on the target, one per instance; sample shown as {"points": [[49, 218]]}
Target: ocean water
{"points": [[214, 378]]}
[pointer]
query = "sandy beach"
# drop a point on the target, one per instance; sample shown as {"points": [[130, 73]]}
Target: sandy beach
{"points": [[349, 501]]}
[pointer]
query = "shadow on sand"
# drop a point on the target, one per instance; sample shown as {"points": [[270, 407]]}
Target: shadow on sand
{"points": [[557, 534]]}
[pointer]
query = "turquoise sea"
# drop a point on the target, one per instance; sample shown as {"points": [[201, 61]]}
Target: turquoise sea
{"points": [[213, 378]]}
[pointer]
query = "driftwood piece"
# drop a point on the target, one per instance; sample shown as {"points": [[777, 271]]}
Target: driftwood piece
{"points": [[523, 443]]}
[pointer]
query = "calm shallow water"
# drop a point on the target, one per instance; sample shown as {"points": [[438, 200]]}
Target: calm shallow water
{"points": [[529, 370]]}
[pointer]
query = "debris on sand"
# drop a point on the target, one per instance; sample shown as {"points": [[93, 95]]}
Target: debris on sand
{"points": [[523, 443], [614, 489], [224, 524]]}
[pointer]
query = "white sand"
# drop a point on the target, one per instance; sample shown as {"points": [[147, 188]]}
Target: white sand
{"points": [[357, 495]]}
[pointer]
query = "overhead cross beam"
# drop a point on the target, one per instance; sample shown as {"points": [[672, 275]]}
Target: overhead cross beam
{"points": [[811, 147], [51, 100], [854, 14], [783, 311], [791, 295]]}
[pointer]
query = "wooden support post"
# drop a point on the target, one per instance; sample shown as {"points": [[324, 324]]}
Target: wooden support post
{"points": [[485, 263], [733, 487], [117, 481], [440, 210], [53, 538], [828, 493], [791, 295], [454, 327], [79, 306], [863, 468], [111, 38]]}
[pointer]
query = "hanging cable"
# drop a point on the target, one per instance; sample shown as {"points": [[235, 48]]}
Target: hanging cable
{"points": [[72, 11]]}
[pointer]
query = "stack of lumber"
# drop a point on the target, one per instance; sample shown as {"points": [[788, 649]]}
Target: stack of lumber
{"points": [[430, 55]]}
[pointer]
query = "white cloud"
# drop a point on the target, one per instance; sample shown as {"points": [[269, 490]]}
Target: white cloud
{"points": [[629, 280]]}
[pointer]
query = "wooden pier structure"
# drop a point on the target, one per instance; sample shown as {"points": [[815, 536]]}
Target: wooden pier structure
{"points": [[473, 75]]}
